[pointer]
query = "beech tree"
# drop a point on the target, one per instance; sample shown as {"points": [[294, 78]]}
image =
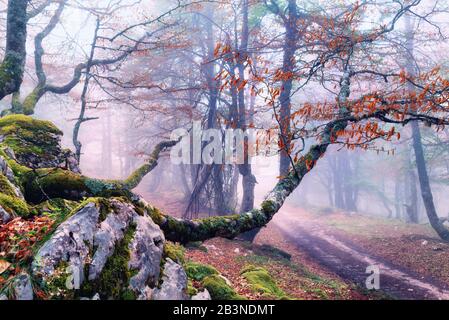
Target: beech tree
{"points": [[339, 53], [360, 112]]}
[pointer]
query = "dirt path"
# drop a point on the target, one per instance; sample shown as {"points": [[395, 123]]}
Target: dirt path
{"points": [[350, 261]]}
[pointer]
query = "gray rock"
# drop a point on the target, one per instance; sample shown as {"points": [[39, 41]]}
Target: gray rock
{"points": [[70, 243], [5, 217], [10, 153], [174, 283], [74, 240], [9, 174], [146, 250], [23, 290], [203, 295], [111, 231], [3, 297], [146, 294]]}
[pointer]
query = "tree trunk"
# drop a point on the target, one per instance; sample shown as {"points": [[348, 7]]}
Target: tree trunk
{"points": [[12, 67], [248, 179], [288, 65], [426, 191]]}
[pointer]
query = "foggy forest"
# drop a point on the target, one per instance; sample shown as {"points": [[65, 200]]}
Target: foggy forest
{"points": [[224, 150]]}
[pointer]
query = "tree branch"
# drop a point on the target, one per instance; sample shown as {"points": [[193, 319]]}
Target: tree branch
{"points": [[12, 67], [41, 184]]}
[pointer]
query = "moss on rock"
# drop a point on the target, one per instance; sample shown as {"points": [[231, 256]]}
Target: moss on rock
{"points": [[219, 289], [198, 271], [174, 251], [18, 169], [262, 282], [191, 290], [6, 187], [113, 282], [30, 138], [15, 205]]}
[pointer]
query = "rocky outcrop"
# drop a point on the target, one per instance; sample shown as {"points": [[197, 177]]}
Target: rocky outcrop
{"points": [[7, 172], [35, 143], [70, 244], [5, 217], [174, 283], [146, 250], [111, 231], [96, 238], [106, 238]]}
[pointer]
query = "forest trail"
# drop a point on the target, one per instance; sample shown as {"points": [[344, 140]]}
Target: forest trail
{"points": [[350, 261]]}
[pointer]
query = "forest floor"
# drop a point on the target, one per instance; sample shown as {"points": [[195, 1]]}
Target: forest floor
{"points": [[411, 258], [320, 254]]}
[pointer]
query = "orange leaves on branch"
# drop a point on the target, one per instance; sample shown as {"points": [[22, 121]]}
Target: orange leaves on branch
{"points": [[221, 49], [281, 75]]}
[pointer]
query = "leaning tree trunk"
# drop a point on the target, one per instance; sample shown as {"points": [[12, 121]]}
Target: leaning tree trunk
{"points": [[106, 249], [426, 191], [113, 240]]}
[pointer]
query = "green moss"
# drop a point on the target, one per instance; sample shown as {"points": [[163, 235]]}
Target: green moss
{"points": [[15, 205], [198, 271], [174, 251], [96, 186], [31, 100], [133, 180], [261, 281], [140, 208], [11, 72], [18, 169], [156, 215], [5, 186], [268, 206], [26, 122], [26, 136], [41, 184], [105, 208], [53, 183], [113, 281], [219, 289], [57, 208], [191, 290]]}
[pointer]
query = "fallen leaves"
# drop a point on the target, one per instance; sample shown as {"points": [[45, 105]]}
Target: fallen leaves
{"points": [[4, 265], [230, 256], [19, 235]]}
